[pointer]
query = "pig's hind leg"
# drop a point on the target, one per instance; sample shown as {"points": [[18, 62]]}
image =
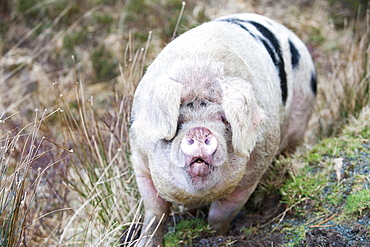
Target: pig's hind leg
{"points": [[304, 93]]}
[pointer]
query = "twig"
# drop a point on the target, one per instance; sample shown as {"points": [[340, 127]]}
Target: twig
{"points": [[178, 20], [323, 222], [322, 226]]}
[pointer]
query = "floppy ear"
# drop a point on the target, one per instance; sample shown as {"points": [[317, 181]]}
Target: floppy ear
{"points": [[157, 109], [243, 114]]}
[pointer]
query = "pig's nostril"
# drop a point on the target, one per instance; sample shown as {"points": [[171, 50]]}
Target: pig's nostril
{"points": [[207, 141], [190, 141]]}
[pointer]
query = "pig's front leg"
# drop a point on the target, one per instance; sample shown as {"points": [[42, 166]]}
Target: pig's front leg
{"points": [[156, 212], [223, 211]]}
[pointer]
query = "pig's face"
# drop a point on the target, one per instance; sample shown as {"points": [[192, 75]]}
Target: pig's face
{"points": [[198, 164], [198, 133], [201, 143]]}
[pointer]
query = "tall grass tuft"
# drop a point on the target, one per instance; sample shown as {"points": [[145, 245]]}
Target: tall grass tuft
{"points": [[22, 179], [345, 88], [99, 172]]}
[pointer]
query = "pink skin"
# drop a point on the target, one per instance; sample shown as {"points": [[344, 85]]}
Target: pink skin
{"points": [[223, 211], [198, 145], [156, 208], [156, 212]]}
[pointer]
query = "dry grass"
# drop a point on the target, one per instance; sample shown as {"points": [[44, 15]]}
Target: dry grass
{"points": [[52, 104]]}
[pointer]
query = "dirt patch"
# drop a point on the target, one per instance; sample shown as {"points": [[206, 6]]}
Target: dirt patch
{"points": [[356, 236]]}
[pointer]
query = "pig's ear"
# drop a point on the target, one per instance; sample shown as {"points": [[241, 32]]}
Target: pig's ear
{"points": [[157, 110], [243, 114]]}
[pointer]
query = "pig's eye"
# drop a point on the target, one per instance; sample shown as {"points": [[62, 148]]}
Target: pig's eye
{"points": [[190, 105], [203, 104]]}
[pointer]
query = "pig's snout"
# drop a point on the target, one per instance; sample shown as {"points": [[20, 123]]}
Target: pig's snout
{"points": [[199, 142], [198, 145]]}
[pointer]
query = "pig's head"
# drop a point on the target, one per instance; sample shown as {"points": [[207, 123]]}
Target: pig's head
{"points": [[201, 135]]}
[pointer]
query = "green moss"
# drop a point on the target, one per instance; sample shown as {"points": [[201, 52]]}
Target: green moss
{"points": [[248, 231], [315, 189], [184, 232], [294, 235], [358, 202], [304, 188], [363, 134], [335, 194], [346, 145]]}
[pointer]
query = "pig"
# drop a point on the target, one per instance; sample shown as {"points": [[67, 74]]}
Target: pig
{"points": [[212, 111]]}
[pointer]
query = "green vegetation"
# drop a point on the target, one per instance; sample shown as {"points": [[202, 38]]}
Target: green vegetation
{"points": [[294, 235], [75, 38], [349, 9], [358, 202], [154, 14], [104, 65], [325, 186], [304, 188], [248, 231], [320, 182], [333, 147], [185, 231]]}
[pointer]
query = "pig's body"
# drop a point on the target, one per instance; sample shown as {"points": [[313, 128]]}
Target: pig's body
{"points": [[213, 109]]}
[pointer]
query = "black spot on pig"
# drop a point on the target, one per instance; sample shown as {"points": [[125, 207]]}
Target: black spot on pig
{"points": [[272, 46], [294, 54], [314, 83], [239, 23]]}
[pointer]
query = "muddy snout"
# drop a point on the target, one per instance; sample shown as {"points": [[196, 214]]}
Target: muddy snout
{"points": [[198, 145]]}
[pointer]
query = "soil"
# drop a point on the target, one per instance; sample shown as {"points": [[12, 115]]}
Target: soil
{"points": [[267, 233]]}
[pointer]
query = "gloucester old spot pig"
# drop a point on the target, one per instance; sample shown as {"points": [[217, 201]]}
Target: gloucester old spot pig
{"points": [[211, 112]]}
